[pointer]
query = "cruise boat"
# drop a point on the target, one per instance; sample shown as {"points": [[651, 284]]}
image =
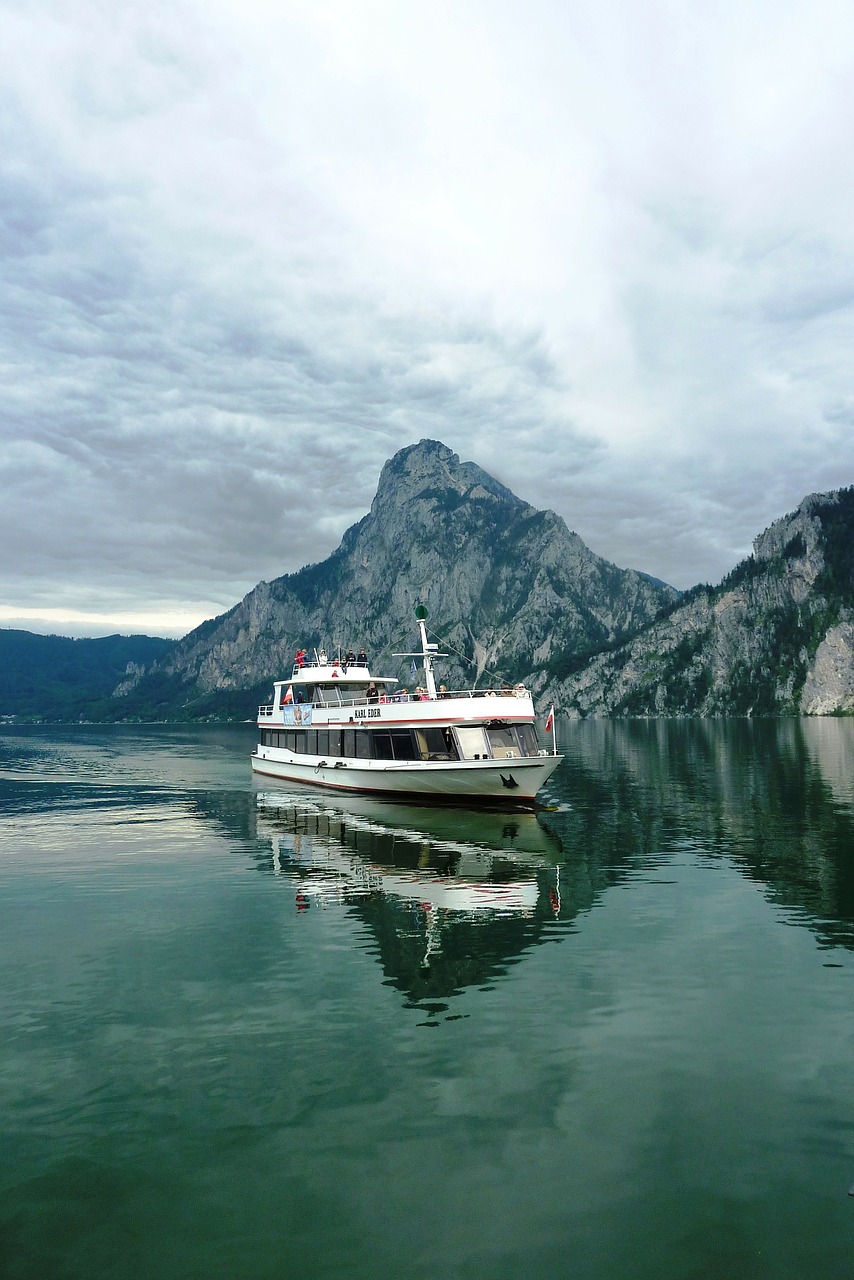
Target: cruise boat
{"points": [[336, 724]]}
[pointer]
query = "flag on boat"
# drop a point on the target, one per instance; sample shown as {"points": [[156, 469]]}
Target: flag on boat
{"points": [[551, 719], [289, 696]]}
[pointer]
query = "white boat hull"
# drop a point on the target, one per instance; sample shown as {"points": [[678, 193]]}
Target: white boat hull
{"points": [[514, 781]]}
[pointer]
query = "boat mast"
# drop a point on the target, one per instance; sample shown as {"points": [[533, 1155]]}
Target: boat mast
{"points": [[428, 651]]}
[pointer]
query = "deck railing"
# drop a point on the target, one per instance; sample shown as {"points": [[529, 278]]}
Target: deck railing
{"points": [[309, 663], [393, 699]]}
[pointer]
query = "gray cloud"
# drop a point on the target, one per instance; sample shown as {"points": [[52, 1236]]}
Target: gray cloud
{"points": [[243, 262]]}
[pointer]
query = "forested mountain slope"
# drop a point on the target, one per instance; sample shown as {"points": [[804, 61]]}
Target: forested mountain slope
{"points": [[57, 678]]}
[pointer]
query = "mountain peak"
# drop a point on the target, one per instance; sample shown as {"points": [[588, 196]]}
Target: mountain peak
{"points": [[805, 522], [774, 637], [429, 466], [509, 588]]}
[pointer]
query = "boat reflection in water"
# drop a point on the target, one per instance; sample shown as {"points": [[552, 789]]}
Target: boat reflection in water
{"points": [[450, 897]]}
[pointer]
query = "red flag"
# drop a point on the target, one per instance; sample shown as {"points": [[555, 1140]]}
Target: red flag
{"points": [[551, 719], [289, 696]]}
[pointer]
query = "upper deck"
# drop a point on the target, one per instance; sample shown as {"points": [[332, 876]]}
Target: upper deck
{"points": [[336, 702], [344, 691]]}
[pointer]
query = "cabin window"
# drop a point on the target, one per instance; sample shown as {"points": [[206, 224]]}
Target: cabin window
{"points": [[528, 739], [322, 748], [363, 744], [381, 743], [503, 744], [434, 744], [327, 694], [296, 741], [349, 743], [472, 740], [393, 744], [403, 744]]}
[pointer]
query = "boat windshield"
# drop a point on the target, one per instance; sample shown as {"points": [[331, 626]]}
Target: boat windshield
{"points": [[328, 695], [507, 742], [472, 740], [335, 694]]}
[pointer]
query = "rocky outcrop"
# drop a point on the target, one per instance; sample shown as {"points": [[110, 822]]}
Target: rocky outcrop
{"points": [[134, 671], [775, 637], [829, 684], [510, 591]]}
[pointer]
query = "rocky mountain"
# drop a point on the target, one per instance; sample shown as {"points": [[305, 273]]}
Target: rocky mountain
{"points": [[775, 637], [509, 589]]}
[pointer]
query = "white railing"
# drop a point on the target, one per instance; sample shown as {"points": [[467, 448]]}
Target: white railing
{"points": [[310, 663], [394, 699]]}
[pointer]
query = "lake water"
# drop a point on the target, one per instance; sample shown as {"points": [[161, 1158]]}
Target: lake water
{"points": [[252, 1032]]}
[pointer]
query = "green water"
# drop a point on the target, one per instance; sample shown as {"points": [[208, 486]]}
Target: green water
{"points": [[248, 1032]]}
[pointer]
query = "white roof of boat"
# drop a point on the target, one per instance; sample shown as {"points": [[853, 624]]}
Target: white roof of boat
{"points": [[334, 673]]}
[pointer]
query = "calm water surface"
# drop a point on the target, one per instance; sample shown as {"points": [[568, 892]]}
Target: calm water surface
{"points": [[252, 1032]]}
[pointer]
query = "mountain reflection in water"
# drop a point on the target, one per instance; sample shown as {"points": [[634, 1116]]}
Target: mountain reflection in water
{"points": [[452, 897], [775, 797]]}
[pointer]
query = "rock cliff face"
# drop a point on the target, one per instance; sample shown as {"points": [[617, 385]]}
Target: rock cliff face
{"points": [[509, 589], [776, 636]]}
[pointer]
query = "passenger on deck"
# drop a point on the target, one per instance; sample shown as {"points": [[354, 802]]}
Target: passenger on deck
{"points": [[372, 693], [300, 657], [362, 658]]}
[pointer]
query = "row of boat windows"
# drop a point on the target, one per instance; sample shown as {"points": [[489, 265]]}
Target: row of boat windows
{"points": [[365, 744], [330, 695], [472, 742]]}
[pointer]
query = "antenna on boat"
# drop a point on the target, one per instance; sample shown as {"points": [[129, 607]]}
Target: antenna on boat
{"points": [[429, 650]]}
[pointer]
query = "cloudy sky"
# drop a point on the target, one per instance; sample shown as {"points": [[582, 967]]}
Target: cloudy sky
{"points": [[604, 248]]}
